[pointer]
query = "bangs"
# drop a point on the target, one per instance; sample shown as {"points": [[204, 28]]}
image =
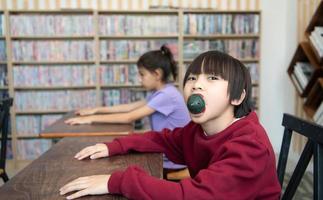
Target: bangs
{"points": [[212, 63]]}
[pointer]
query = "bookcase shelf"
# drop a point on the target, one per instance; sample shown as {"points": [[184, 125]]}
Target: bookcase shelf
{"points": [[304, 53], [226, 36], [52, 37], [33, 112], [255, 60], [76, 62], [317, 20], [307, 65], [139, 37], [54, 87], [96, 30], [314, 99]]}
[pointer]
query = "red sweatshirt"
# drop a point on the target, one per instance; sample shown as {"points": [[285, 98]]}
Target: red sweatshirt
{"points": [[236, 163]]}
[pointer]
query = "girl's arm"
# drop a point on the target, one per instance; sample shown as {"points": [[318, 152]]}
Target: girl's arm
{"points": [[126, 117], [112, 109]]}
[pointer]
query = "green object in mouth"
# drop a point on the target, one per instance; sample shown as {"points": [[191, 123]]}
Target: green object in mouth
{"points": [[196, 104]]}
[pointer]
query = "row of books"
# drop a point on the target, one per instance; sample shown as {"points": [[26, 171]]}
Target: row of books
{"points": [[253, 69], [54, 100], [119, 74], [316, 39], [9, 150], [132, 49], [31, 125], [32, 149], [2, 25], [54, 75], [206, 24], [3, 75], [51, 25], [121, 96], [318, 115], [70, 99], [3, 54], [54, 50], [302, 72], [58, 50], [241, 49], [138, 25]]}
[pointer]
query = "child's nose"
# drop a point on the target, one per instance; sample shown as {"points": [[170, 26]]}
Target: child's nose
{"points": [[198, 85]]}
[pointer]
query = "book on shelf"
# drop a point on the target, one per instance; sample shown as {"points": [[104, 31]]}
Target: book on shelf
{"points": [[53, 75], [318, 113], [320, 120], [316, 39], [238, 48], [134, 24], [303, 72], [206, 24], [51, 25], [296, 83]]}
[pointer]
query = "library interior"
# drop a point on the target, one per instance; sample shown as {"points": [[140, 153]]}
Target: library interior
{"points": [[73, 75]]}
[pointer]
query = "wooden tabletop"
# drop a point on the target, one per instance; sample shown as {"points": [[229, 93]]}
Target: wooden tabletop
{"points": [[59, 129], [43, 178]]}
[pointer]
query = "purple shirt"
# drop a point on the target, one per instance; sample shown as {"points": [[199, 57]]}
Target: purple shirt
{"points": [[171, 112]]}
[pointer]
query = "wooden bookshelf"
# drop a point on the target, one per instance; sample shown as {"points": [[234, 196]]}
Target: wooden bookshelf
{"points": [[98, 61], [317, 20], [311, 95], [304, 53], [314, 98]]}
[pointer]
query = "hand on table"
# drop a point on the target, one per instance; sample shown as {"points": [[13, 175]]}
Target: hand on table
{"points": [[79, 120], [89, 185], [95, 151]]}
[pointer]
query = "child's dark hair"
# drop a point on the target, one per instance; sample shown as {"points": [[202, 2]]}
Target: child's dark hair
{"points": [[230, 69], [159, 59]]}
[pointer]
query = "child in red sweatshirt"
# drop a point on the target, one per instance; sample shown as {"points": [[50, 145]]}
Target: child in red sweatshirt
{"points": [[225, 148]]}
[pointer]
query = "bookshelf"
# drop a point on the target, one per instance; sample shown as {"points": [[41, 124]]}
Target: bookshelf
{"points": [[51, 49], [306, 67]]}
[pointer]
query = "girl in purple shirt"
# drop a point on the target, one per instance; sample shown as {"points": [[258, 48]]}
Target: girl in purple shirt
{"points": [[165, 106]]}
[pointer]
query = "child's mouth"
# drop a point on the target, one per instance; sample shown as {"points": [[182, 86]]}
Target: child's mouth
{"points": [[196, 104]]}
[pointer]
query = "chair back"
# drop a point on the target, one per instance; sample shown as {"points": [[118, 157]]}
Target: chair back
{"points": [[4, 125], [314, 147]]}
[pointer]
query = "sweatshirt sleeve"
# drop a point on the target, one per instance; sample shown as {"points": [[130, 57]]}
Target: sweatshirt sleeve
{"points": [[237, 175], [168, 142]]}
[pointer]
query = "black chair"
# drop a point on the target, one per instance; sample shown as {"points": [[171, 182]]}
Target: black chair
{"points": [[4, 123], [314, 146]]}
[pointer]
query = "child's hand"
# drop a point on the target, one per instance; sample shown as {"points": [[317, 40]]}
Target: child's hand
{"points": [[79, 120], [89, 185], [96, 151], [87, 111]]}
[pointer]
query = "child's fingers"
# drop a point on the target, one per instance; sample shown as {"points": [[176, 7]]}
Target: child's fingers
{"points": [[78, 194], [76, 184], [84, 151], [97, 155], [87, 152]]}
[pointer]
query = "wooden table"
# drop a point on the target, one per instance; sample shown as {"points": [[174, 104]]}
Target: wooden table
{"points": [[59, 129], [43, 178]]}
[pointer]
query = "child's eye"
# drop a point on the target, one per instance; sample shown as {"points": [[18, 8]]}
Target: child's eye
{"points": [[191, 78], [213, 78]]}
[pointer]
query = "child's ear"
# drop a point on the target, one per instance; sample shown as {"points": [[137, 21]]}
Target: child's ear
{"points": [[237, 102], [159, 74]]}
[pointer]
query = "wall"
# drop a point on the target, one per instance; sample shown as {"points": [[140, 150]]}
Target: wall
{"points": [[279, 41]]}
